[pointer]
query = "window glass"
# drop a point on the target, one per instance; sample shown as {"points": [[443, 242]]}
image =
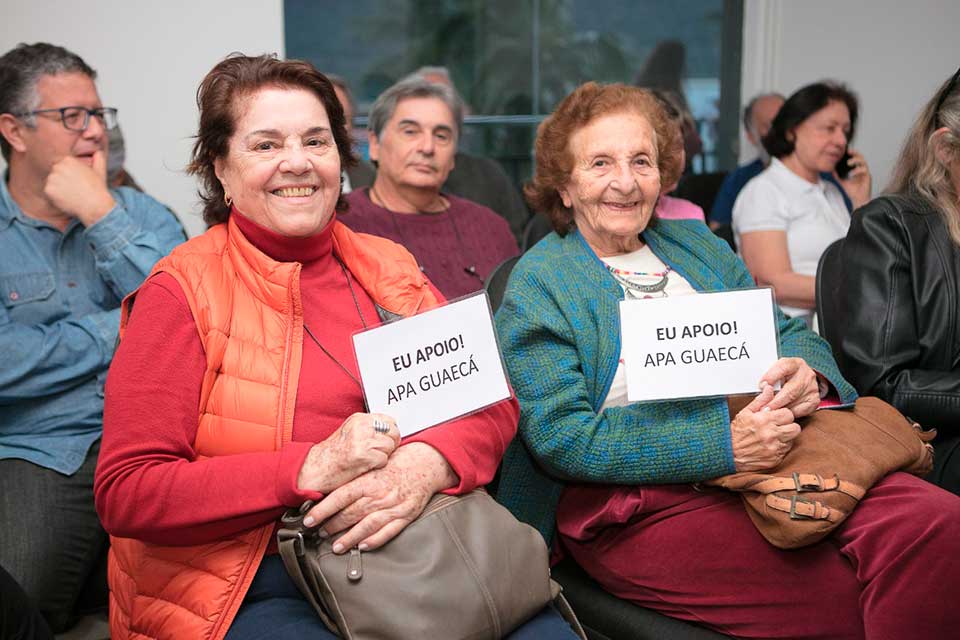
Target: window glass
{"points": [[514, 60]]}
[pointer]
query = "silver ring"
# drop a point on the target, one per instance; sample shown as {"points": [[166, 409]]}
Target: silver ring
{"points": [[380, 426]]}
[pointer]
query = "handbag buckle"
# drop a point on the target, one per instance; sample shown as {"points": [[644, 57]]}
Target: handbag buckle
{"points": [[813, 482], [794, 500], [297, 537]]}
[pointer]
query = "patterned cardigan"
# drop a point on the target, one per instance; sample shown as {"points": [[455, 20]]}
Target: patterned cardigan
{"points": [[560, 333]]}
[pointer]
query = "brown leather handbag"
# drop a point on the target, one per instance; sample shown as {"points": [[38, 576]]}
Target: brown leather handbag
{"points": [[838, 456], [465, 569]]}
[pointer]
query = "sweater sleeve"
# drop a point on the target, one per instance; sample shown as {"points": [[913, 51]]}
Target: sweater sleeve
{"points": [[150, 483], [648, 443], [474, 444]]}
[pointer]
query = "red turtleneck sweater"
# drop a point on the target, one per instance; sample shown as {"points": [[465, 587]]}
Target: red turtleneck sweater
{"points": [[149, 484]]}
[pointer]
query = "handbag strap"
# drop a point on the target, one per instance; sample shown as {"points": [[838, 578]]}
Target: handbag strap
{"points": [[803, 509], [290, 544], [808, 482]]}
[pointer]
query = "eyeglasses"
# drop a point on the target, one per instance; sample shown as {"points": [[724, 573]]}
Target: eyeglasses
{"points": [[946, 93], [78, 118]]}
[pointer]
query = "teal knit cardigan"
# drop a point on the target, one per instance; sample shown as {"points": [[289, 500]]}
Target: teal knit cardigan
{"points": [[559, 331]]}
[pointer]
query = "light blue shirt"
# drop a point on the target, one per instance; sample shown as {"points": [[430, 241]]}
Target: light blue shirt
{"points": [[61, 294]]}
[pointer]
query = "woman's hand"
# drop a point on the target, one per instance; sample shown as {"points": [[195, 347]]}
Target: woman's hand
{"points": [[350, 451], [762, 436], [858, 182], [378, 505], [799, 391]]}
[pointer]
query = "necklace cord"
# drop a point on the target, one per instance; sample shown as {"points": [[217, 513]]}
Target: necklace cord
{"points": [[363, 321], [470, 269]]}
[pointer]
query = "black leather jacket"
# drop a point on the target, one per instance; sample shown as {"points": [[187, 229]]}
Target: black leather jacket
{"points": [[900, 301]]}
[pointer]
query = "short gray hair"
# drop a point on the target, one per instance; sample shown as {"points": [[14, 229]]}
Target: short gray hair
{"points": [[423, 72], [412, 87], [20, 70], [748, 110]]}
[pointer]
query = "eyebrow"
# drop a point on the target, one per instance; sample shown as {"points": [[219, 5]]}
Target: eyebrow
{"points": [[276, 133], [440, 127]]}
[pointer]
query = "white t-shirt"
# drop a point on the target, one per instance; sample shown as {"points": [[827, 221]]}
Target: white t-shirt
{"points": [[812, 216], [643, 261]]}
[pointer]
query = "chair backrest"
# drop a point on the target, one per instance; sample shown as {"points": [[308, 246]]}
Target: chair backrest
{"points": [[496, 284], [538, 227], [700, 188], [725, 231], [829, 276]]}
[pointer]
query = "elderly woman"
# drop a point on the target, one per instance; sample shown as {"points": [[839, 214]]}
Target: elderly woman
{"points": [[785, 217], [612, 479], [234, 393], [901, 281], [413, 130]]}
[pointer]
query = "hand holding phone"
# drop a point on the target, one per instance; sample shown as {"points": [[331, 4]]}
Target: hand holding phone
{"points": [[843, 167]]}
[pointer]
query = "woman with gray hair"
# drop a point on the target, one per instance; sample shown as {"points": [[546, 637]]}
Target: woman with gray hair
{"points": [[901, 282], [413, 130]]}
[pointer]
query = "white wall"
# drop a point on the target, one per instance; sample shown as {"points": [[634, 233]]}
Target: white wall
{"points": [[893, 54], [150, 58]]}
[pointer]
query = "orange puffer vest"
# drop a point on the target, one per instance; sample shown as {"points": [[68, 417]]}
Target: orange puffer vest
{"points": [[247, 309]]}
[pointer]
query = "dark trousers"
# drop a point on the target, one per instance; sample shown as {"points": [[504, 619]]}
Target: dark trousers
{"points": [[19, 617], [273, 608], [946, 464], [50, 536]]}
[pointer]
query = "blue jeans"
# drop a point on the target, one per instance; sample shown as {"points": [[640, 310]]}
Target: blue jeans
{"points": [[273, 608]]}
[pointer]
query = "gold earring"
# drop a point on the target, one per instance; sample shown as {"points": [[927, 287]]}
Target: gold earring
{"points": [[228, 200]]}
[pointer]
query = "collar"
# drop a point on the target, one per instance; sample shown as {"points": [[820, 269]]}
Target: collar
{"points": [[9, 210], [791, 183], [283, 248], [418, 215]]}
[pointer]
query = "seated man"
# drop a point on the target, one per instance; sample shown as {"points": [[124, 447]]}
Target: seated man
{"points": [[478, 178], [413, 132], [70, 250], [757, 117]]}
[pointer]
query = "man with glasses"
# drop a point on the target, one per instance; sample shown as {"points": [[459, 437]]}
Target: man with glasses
{"points": [[70, 250]]}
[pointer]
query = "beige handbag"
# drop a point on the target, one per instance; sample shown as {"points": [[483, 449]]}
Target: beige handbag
{"points": [[838, 456], [465, 569]]}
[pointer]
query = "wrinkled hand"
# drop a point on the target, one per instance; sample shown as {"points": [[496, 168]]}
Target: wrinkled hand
{"points": [[799, 392], [80, 190], [762, 436], [858, 182], [378, 505], [350, 451]]}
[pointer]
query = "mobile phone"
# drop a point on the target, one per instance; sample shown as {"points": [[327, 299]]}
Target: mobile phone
{"points": [[843, 166]]}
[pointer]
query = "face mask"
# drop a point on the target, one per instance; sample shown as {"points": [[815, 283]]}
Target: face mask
{"points": [[116, 153]]}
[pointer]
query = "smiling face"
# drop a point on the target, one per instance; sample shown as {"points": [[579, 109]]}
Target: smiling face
{"points": [[282, 169], [820, 141], [50, 141], [417, 145], [615, 182]]}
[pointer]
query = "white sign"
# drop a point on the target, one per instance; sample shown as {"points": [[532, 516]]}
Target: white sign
{"points": [[709, 344], [434, 366]]}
